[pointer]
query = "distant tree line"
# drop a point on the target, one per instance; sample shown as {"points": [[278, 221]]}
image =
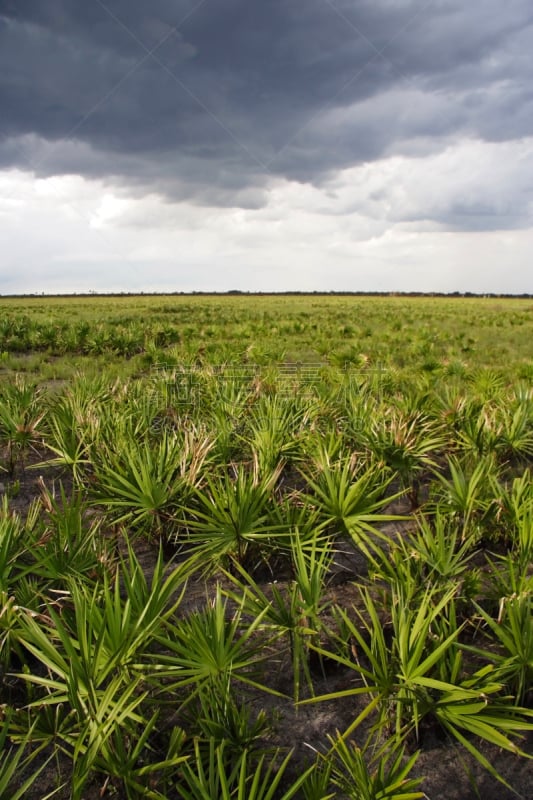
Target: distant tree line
{"points": [[293, 293]]}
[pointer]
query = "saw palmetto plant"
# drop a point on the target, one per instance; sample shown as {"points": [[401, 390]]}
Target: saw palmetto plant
{"points": [[230, 517], [277, 428], [214, 775], [413, 674], [512, 632], [408, 442], [22, 414], [95, 650], [360, 775], [348, 494], [146, 483]]}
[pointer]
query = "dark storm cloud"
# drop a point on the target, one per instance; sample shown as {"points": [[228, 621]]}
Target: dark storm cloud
{"points": [[209, 99]]}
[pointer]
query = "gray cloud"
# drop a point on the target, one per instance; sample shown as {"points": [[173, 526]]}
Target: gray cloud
{"points": [[210, 101]]}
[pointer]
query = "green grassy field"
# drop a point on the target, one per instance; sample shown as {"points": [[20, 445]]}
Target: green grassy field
{"points": [[266, 547], [53, 337]]}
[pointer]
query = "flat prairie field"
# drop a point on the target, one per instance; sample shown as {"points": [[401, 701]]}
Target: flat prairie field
{"points": [[52, 337], [266, 546]]}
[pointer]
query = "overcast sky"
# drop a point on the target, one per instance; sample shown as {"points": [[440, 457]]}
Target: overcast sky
{"points": [[266, 144]]}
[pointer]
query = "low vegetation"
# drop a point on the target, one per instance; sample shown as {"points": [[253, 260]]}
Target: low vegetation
{"points": [[259, 510]]}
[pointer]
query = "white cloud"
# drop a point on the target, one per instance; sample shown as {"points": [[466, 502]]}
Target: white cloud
{"points": [[455, 187], [386, 225]]}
